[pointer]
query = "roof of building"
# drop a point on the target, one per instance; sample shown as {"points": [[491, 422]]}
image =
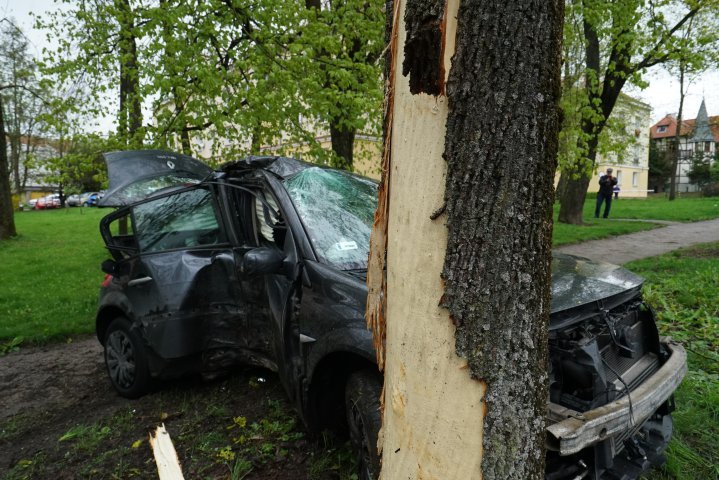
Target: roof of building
{"points": [[688, 128]]}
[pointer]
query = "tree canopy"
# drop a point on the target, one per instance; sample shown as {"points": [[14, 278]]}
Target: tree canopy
{"points": [[224, 76]]}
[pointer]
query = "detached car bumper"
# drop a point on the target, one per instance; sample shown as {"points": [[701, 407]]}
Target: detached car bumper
{"points": [[574, 431]]}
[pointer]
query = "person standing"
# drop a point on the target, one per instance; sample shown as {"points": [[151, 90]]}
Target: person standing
{"points": [[606, 190]]}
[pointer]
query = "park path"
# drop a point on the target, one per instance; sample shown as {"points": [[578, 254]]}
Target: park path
{"points": [[635, 246]]}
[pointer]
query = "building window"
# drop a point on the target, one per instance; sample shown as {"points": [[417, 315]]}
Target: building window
{"points": [[698, 147], [661, 128], [707, 146], [619, 177], [635, 179]]}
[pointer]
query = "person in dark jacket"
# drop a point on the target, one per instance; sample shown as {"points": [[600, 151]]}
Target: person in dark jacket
{"points": [[606, 189]]}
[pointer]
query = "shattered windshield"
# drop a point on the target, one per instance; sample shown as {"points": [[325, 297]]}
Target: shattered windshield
{"points": [[337, 209]]}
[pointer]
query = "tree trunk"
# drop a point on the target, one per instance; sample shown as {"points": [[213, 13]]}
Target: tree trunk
{"points": [[130, 100], [343, 141], [677, 136], [468, 241], [7, 221]]}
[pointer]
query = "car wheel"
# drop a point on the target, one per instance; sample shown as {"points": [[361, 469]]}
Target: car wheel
{"points": [[126, 359], [364, 421]]}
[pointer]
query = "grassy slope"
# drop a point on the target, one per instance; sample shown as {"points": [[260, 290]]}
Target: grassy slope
{"points": [[684, 288], [50, 275]]}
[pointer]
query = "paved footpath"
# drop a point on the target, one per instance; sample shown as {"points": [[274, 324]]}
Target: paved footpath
{"points": [[634, 246]]}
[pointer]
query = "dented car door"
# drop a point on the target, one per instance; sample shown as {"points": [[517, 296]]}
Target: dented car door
{"points": [[184, 284]]}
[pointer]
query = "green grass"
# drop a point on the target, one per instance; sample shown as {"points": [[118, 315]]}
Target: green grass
{"points": [[50, 275], [594, 229], [683, 286], [657, 207], [690, 209]]}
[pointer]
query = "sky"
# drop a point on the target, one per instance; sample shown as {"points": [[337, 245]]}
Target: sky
{"points": [[662, 93]]}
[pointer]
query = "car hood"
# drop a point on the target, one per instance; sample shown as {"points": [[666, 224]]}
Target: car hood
{"points": [[135, 175], [580, 287]]}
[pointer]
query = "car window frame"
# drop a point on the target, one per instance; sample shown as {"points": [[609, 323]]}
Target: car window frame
{"points": [[107, 236], [177, 191]]}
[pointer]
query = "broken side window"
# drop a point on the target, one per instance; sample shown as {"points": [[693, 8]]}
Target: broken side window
{"points": [[184, 220]]}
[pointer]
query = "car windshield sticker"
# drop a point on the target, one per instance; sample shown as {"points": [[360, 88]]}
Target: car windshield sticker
{"points": [[346, 245]]}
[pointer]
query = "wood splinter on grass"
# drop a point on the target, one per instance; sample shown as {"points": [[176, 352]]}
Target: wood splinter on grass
{"points": [[168, 465]]}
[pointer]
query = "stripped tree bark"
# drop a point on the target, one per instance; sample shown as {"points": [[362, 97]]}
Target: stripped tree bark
{"points": [[460, 313]]}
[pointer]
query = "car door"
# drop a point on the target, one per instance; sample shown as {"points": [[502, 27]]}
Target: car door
{"points": [[273, 298], [183, 285]]}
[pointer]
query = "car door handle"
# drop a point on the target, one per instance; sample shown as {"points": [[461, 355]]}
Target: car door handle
{"points": [[138, 281]]}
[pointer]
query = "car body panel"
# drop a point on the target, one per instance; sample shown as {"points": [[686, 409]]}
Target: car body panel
{"points": [[127, 170], [198, 302]]}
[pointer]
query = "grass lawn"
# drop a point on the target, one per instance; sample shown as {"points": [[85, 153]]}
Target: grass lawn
{"points": [[50, 275], [595, 229], [690, 209], [683, 286]]}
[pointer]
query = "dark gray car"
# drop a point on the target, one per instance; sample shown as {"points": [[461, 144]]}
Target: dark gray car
{"points": [[263, 262]]}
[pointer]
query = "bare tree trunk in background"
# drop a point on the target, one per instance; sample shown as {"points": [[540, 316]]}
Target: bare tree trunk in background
{"points": [[677, 136], [130, 123], [467, 241], [343, 141], [341, 136], [7, 221]]}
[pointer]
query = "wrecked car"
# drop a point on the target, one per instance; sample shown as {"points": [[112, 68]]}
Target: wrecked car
{"points": [[263, 262]]}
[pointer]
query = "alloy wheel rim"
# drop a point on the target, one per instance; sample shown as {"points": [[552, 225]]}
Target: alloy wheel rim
{"points": [[120, 357]]}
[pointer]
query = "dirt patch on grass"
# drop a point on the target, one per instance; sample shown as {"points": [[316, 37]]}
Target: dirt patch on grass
{"points": [[700, 252], [60, 418]]}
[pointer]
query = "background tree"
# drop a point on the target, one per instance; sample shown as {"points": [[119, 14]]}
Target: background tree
{"points": [[466, 296], [621, 40], [696, 54], [227, 77], [98, 54], [79, 165], [660, 164], [23, 101]]}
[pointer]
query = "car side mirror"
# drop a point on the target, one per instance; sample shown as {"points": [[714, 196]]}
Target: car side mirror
{"points": [[109, 267], [262, 261]]}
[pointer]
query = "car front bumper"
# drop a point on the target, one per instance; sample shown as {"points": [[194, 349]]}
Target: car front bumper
{"points": [[570, 431]]}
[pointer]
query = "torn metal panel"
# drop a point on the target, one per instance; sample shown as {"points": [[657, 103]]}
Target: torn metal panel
{"points": [[135, 175]]}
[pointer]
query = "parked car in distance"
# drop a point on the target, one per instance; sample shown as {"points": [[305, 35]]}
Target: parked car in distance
{"points": [[48, 202], [264, 262], [73, 200], [31, 203], [91, 199]]}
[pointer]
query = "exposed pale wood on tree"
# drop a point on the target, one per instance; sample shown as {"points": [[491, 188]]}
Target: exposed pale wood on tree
{"points": [[465, 358], [432, 406], [168, 465]]}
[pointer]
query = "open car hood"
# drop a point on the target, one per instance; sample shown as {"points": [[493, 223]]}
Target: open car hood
{"points": [[581, 287], [135, 175]]}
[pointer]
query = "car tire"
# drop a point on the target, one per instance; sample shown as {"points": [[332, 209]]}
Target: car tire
{"points": [[362, 407], [126, 359]]}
